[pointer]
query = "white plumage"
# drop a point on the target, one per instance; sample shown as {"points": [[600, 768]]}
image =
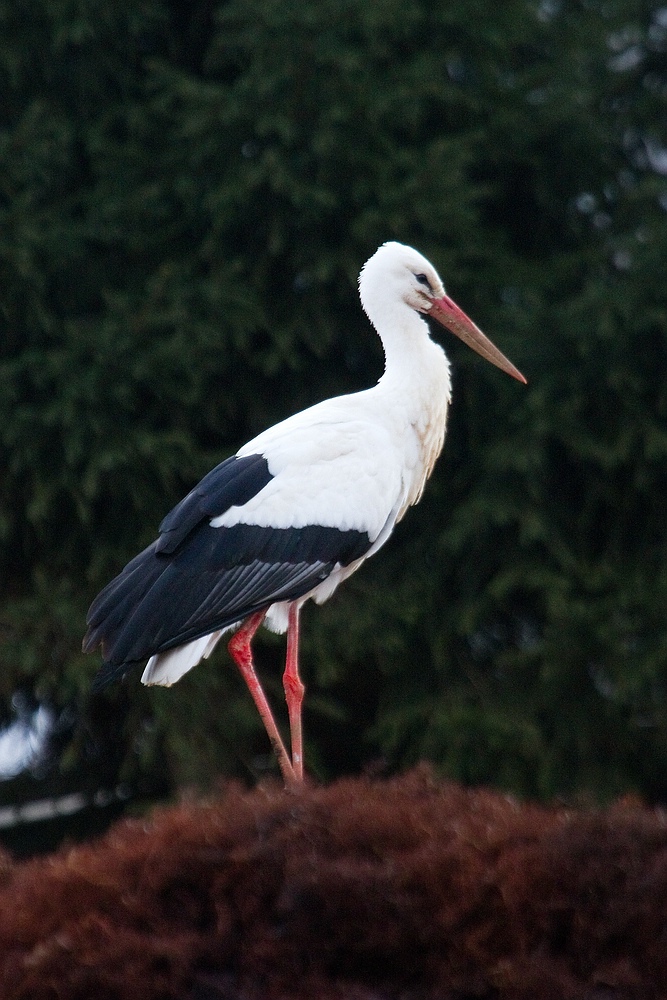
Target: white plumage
{"points": [[297, 509]]}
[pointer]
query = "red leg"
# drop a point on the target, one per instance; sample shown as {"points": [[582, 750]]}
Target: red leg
{"points": [[241, 653], [294, 690]]}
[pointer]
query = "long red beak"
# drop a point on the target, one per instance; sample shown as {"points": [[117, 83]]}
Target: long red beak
{"points": [[448, 314]]}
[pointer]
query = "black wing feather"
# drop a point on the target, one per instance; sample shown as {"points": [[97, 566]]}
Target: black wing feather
{"points": [[195, 579], [230, 484]]}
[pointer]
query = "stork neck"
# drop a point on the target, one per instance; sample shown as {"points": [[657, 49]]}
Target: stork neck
{"points": [[408, 348]]}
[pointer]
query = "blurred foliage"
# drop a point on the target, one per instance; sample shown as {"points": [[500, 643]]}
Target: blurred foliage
{"points": [[187, 193]]}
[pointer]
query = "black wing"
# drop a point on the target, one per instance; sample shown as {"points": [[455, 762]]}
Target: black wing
{"points": [[195, 579]]}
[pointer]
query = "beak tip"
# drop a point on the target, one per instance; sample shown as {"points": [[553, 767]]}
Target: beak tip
{"points": [[449, 315]]}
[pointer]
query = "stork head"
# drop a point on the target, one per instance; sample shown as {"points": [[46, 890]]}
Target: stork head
{"points": [[399, 273]]}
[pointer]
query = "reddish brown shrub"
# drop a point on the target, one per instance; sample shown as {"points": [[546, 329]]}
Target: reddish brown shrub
{"points": [[409, 889]]}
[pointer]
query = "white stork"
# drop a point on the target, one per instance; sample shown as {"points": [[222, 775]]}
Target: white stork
{"points": [[296, 510]]}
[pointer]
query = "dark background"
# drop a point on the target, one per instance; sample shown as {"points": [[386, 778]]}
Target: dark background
{"points": [[187, 194]]}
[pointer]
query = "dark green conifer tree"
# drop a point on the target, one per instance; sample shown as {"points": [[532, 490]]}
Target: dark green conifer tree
{"points": [[187, 193]]}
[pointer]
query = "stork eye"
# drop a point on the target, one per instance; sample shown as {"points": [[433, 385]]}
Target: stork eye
{"points": [[423, 280]]}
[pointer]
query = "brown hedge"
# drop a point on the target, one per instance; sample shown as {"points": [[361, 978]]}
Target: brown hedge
{"points": [[367, 889]]}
